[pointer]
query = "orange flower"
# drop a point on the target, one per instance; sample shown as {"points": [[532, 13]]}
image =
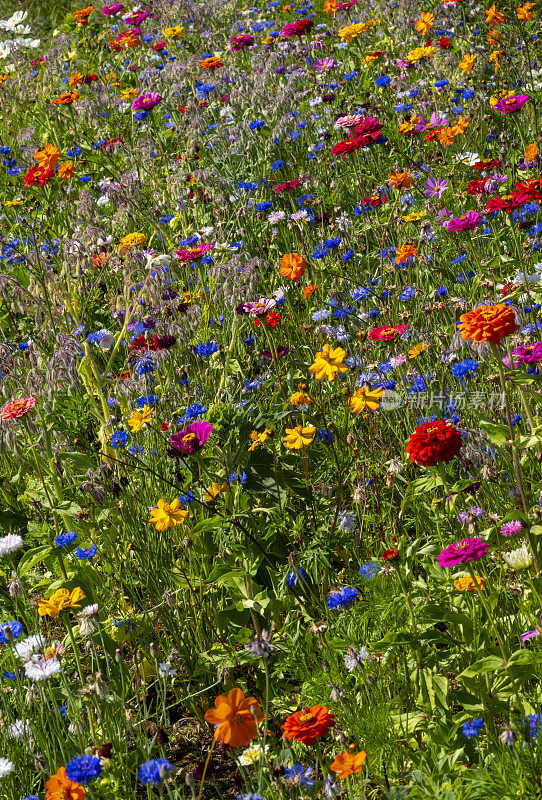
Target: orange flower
{"points": [[308, 290], [347, 764], [488, 323], [445, 136], [531, 153], [400, 180], [496, 56], [17, 408], [467, 63], [524, 13], [65, 99], [331, 6], [461, 125], [307, 725], [75, 79], [425, 22], [236, 717], [66, 170], [404, 252], [60, 787], [292, 266], [213, 62], [48, 157], [494, 17]]}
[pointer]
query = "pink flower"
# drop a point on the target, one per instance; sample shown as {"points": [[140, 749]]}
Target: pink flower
{"points": [[468, 222], [190, 439], [325, 63], [511, 528], [258, 309], [146, 102], [109, 11], [238, 42], [459, 552], [349, 121], [509, 104], [528, 353], [17, 408], [194, 252]]}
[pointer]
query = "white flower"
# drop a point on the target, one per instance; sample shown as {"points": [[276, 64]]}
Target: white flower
{"points": [[518, 559], [42, 670], [103, 200], [88, 619], [19, 728], [297, 216], [6, 767], [166, 670], [276, 216], [252, 754], [10, 543], [26, 649]]}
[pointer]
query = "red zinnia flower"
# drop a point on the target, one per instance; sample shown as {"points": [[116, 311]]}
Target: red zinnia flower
{"points": [[390, 555], [434, 442], [307, 725]]}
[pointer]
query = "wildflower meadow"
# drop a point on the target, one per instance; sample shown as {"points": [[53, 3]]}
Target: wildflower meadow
{"points": [[270, 400]]}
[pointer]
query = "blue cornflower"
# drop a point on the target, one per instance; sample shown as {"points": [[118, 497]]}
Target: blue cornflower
{"points": [[83, 769], [300, 776], [64, 539], [533, 722], [341, 597], [119, 439], [153, 771], [150, 400], [145, 365], [325, 436], [265, 206], [295, 576], [473, 727], [407, 293], [348, 255], [139, 116], [369, 570], [256, 124], [320, 315], [206, 349], [15, 628], [463, 368], [86, 553], [441, 291], [384, 80]]}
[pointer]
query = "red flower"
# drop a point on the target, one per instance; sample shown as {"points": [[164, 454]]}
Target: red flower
{"points": [[434, 442], [445, 43], [386, 333], [307, 725], [38, 175], [390, 555]]}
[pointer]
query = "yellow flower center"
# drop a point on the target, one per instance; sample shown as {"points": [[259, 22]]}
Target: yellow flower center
{"points": [[190, 438], [306, 719]]}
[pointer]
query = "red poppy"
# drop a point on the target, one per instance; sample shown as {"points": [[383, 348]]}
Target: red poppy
{"points": [[434, 442], [307, 725]]}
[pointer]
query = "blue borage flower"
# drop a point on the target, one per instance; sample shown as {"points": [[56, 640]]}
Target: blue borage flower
{"points": [[341, 597], [14, 629], [119, 439], [298, 575], [473, 727], [83, 769], [154, 771], [300, 776]]}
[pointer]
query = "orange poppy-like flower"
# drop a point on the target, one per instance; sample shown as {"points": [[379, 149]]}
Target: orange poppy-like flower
{"points": [[66, 170], [460, 126], [347, 764], [400, 180], [60, 787], [76, 78], [213, 62], [425, 22], [488, 323], [65, 99], [235, 717], [292, 266], [467, 63], [445, 136], [309, 724], [48, 157], [404, 252], [494, 17], [524, 12], [308, 290], [17, 408]]}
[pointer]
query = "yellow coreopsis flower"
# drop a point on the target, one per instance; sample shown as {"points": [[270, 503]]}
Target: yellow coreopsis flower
{"points": [[126, 94], [417, 349], [140, 418], [167, 515], [460, 126], [176, 30], [414, 216], [425, 22], [60, 600], [364, 398], [420, 52], [214, 490], [300, 399], [467, 63], [298, 437], [328, 362], [258, 439]]}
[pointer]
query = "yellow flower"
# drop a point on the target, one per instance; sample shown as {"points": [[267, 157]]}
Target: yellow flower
{"points": [[258, 439], [167, 515], [420, 52], [460, 126], [524, 13], [328, 362], [415, 216], [191, 297], [215, 490], [48, 157], [14, 203], [364, 398], [140, 418], [531, 152], [352, 31], [467, 584], [60, 600], [467, 63], [417, 349], [298, 437], [425, 22], [127, 93], [300, 399], [130, 242], [168, 33]]}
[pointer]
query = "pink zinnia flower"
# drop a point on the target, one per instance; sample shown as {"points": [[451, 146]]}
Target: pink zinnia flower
{"points": [[349, 121], [146, 102], [110, 11], [459, 552], [194, 252], [17, 408], [190, 439], [509, 104], [511, 528], [238, 42], [528, 353]]}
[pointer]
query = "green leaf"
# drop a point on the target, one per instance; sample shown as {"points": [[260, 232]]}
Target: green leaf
{"points": [[32, 558], [487, 664], [497, 434]]}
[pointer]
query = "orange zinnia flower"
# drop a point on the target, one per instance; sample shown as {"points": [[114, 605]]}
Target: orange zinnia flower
{"points": [[308, 290], [213, 62], [307, 725], [404, 252], [292, 266], [65, 99], [347, 764], [235, 716], [400, 180], [48, 157], [488, 323], [60, 787], [17, 408]]}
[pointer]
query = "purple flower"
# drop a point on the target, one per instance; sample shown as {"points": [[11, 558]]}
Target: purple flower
{"points": [[511, 528], [467, 550], [531, 634], [509, 104], [435, 187], [325, 63], [190, 439], [146, 102], [468, 222]]}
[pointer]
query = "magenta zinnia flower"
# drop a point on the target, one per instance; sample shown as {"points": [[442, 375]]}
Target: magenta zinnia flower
{"points": [[146, 102], [509, 104], [109, 11], [511, 528], [467, 550], [194, 252], [238, 42], [190, 439]]}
